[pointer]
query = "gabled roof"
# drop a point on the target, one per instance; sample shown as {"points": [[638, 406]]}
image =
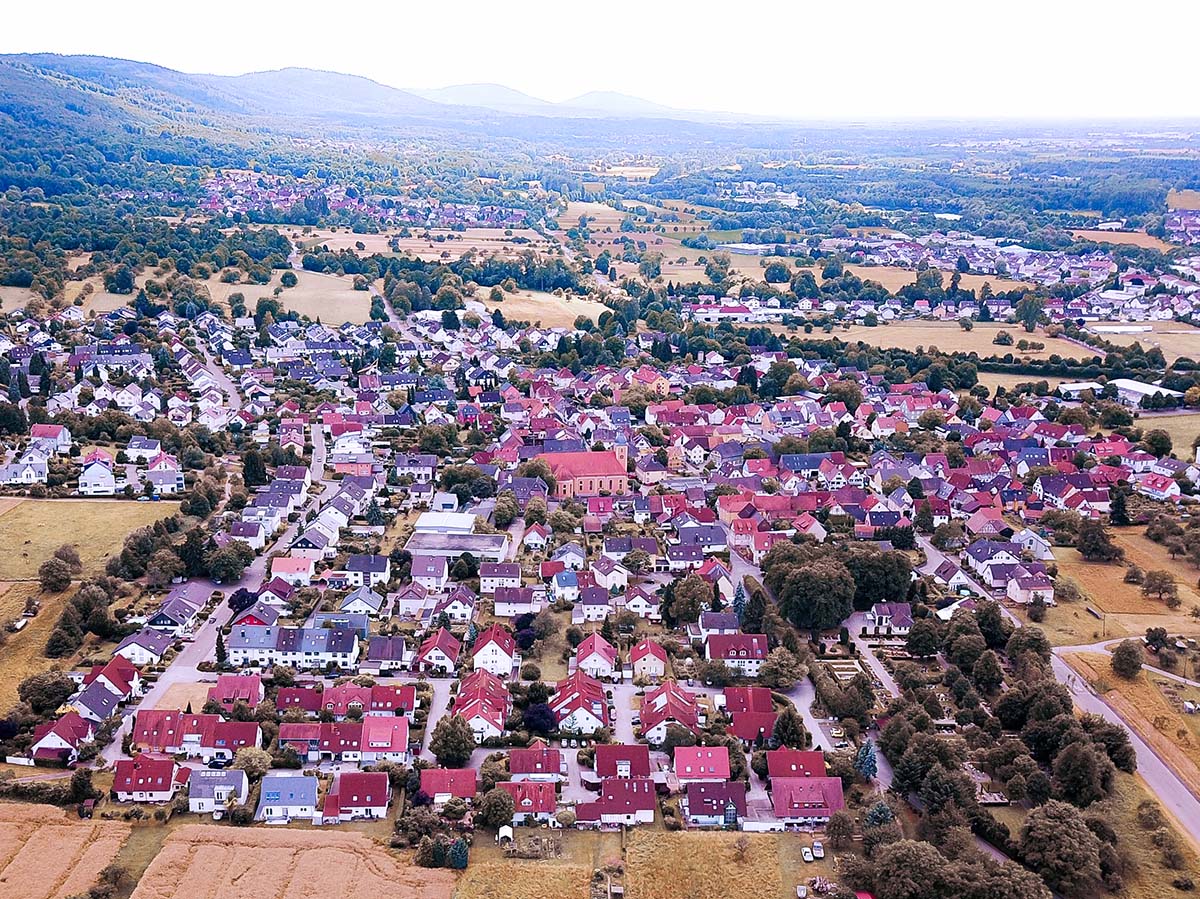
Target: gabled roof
{"points": [[460, 782]]}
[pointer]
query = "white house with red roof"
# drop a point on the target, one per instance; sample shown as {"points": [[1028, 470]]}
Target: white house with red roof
{"points": [[296, 571], [701, 763], [443, 784], [744, 653], [385, 740], [580, 704], [597, 657], [665, 705], [622, 801], [356, 796], [438, 652], [537, 762], [61, 740], [484, 703], [146, 779], [648, 660], [533, 801], [119, 676], [495, 651]]}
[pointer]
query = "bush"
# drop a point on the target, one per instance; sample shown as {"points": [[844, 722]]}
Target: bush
{"points": [[530, 671]]}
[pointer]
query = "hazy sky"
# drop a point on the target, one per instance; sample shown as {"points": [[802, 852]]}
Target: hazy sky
{"points": [[1040, 58]]}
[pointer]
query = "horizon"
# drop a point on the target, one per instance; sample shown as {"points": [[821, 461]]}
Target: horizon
{"points": [[868, 79]]}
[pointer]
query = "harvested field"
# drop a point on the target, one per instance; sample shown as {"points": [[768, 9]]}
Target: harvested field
{"points": [[45, 854], [949, 337], [1069, 624], [14, 298], [1106, 587], [1175, 339], [183, 694], [1183, 428], [22, 655], [537, 306], [1144, 709], [249, 864], [1183, 199], [33, 529], [493, 875], [1130, 238], [682, 865], [992, 380]]}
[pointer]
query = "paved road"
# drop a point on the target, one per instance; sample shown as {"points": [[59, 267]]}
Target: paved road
{"points": [[203, 643], [1161, 780]]}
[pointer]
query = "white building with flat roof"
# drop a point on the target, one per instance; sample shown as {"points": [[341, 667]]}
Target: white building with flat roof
{"points": [[445, 523]]}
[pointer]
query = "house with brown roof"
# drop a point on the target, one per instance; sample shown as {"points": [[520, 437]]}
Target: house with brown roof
{"points": [[622, 801]]}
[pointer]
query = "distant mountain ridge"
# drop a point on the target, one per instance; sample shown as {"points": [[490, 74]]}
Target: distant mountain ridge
{"points": [[146, 90]]}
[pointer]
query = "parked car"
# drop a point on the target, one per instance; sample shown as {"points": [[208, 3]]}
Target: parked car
{"points": [[801, 891], [836, 732], [218, 763], [807, 854], [818, 850]]}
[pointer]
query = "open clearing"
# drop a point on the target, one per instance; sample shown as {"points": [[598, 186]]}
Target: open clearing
{"points": [[538, 306], [183, 694], [1173, 338], [1007, 380], [33, 529], [947, 337], [1183, 428], [491, 875], [285, 864], [1131, 238], [682, 865], [44, 854], [1183, 199], [23, 655]]}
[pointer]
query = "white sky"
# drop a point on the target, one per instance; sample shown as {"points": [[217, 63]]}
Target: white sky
{"points": [[794, 58]]}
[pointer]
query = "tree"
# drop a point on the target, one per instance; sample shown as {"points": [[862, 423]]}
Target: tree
{"points": [[227, 563], [923, 640], [1161, 585], [913, 871], [1118, 514], [739, 601], [46, 691], [452, 742], [54, 575], [1056, 843], [254, 761], [458, 856], [789, 730], [1157, 442], [506, 509], [691, 597], [1029, 311], [1126, 659], [254, 469], [164, 566], [539, 718], [222, 654], [865, 762], [840, 828], [1082, 774], [70, 554], [816, 596], [1095, 544], [781, 669], [987, 673], [495, 809]]}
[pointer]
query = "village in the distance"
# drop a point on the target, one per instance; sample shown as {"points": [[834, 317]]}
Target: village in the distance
{"points": [[716, 518]]}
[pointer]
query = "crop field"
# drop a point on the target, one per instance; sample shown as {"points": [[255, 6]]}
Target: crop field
{"points": [[33, 529], [288, 864], [1183, 199], [1173, 338], [538, 306], [44, 854], [1007, 380], [22, 655], [1130, 238]]}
